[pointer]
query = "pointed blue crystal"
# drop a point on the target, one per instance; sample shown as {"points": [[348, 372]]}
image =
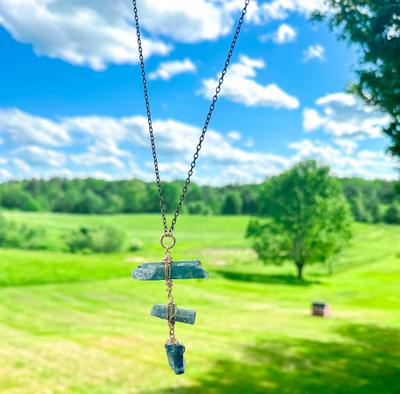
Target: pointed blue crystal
{"points": [[175, 357]]}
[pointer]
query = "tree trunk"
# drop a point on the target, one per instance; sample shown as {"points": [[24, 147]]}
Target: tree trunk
{"points": [[300, 270]]}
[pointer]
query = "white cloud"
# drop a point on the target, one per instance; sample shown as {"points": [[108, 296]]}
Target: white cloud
{"points": [[314, 52], [370, 165], [98, 33], [107, 147], [5, 175], [167, 70], [23, 128], [93, 160], [280, 9], [345, 117], [368, 154], [283, 35], [249, 143], [174, 170], [347, 145], [19, 165], [137, 172], [81, 32], [36, 156], [240, 87], [176, 141], [234, 135]]}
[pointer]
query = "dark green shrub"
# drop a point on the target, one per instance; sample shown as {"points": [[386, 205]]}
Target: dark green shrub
{"points": [[99, 240], [392, 215], [20, 236], [135, 245]]}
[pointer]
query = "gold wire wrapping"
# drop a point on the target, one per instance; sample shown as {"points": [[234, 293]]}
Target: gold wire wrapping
{"points": [[171, 306]]}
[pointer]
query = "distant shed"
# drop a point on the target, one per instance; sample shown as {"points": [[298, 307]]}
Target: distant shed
{"points": [[321, 309]]}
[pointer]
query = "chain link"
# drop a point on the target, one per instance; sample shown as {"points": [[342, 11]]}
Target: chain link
{"points": [[206, 123]]}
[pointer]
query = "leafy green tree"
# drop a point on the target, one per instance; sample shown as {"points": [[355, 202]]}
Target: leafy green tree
{"points": [[232, 204], [307, 217], [90, 203], [16, 198], [373, 207], [113, 204], [198, 208], [171, 192], [392, 215], [134, 195], [152, 203], [358, 210], [67, 202], [373, 26]]}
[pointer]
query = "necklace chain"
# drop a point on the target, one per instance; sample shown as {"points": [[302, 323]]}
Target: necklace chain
{"points": [[206, 123]]}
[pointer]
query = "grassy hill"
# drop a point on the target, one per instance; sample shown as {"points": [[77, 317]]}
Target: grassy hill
{"points": [[80, 324]]}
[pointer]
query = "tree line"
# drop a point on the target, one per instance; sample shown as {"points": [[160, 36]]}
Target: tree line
{"points": [[370, 201]]}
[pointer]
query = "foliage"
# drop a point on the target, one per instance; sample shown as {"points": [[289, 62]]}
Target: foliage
{"points": [[105, 239], [21, 236], [392, 215], [232, 204], [368, 199], [135, 245], [308, 217], [373, 26]]}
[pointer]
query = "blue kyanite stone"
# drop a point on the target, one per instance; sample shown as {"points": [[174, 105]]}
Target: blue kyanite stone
{"points": [[182, 315], [179, 270], [175, 357]]}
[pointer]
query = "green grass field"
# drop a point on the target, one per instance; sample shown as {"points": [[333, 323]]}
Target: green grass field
{"points": [[81, 324]]}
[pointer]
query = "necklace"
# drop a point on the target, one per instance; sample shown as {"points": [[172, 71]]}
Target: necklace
{"points": [[168, 269]]}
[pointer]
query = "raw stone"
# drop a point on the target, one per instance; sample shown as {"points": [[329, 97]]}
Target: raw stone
{"points": [[179, 270], [175, 357], [187, 316]]}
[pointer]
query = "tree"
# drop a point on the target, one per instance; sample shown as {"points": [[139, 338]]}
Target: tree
{"points": [[307, 218], [16, 198], [373, 26], [392, 215], [232, 204], [134, 195]]}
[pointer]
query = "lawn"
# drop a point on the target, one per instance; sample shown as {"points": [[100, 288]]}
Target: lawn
{"points": [[80, 324]]}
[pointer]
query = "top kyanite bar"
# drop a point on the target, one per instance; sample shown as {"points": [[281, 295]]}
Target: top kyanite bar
{"points": [[179, 270]]}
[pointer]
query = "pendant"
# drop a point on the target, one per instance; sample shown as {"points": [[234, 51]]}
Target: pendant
{"points": [[168, 270]]}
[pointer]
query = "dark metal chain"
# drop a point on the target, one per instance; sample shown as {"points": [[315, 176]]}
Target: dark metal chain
{"points": [[206, 123]]}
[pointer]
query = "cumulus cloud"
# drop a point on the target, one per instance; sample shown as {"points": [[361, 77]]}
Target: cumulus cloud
{"points": [[83, 32], [176, 142], [19, 165], [365, 164], [345, 117], [240, 87], [314, 52], [5, 175], [22, 128], [234, 135], [37, 156], [92, 160], [283, 35], [167, 70], [281, 9], [98, 33]]}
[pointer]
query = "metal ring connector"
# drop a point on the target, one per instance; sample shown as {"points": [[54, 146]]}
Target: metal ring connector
{"points": [[167, 235]]}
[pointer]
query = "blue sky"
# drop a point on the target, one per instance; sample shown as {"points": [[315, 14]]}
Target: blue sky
{"points": [[71, 101]]}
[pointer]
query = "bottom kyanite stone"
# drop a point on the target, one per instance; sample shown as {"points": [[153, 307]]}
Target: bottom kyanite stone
{"points": [[175, 357]]}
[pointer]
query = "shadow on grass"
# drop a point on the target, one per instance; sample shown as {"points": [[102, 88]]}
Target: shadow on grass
{"points": [[265, 278], [367, 363]]}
